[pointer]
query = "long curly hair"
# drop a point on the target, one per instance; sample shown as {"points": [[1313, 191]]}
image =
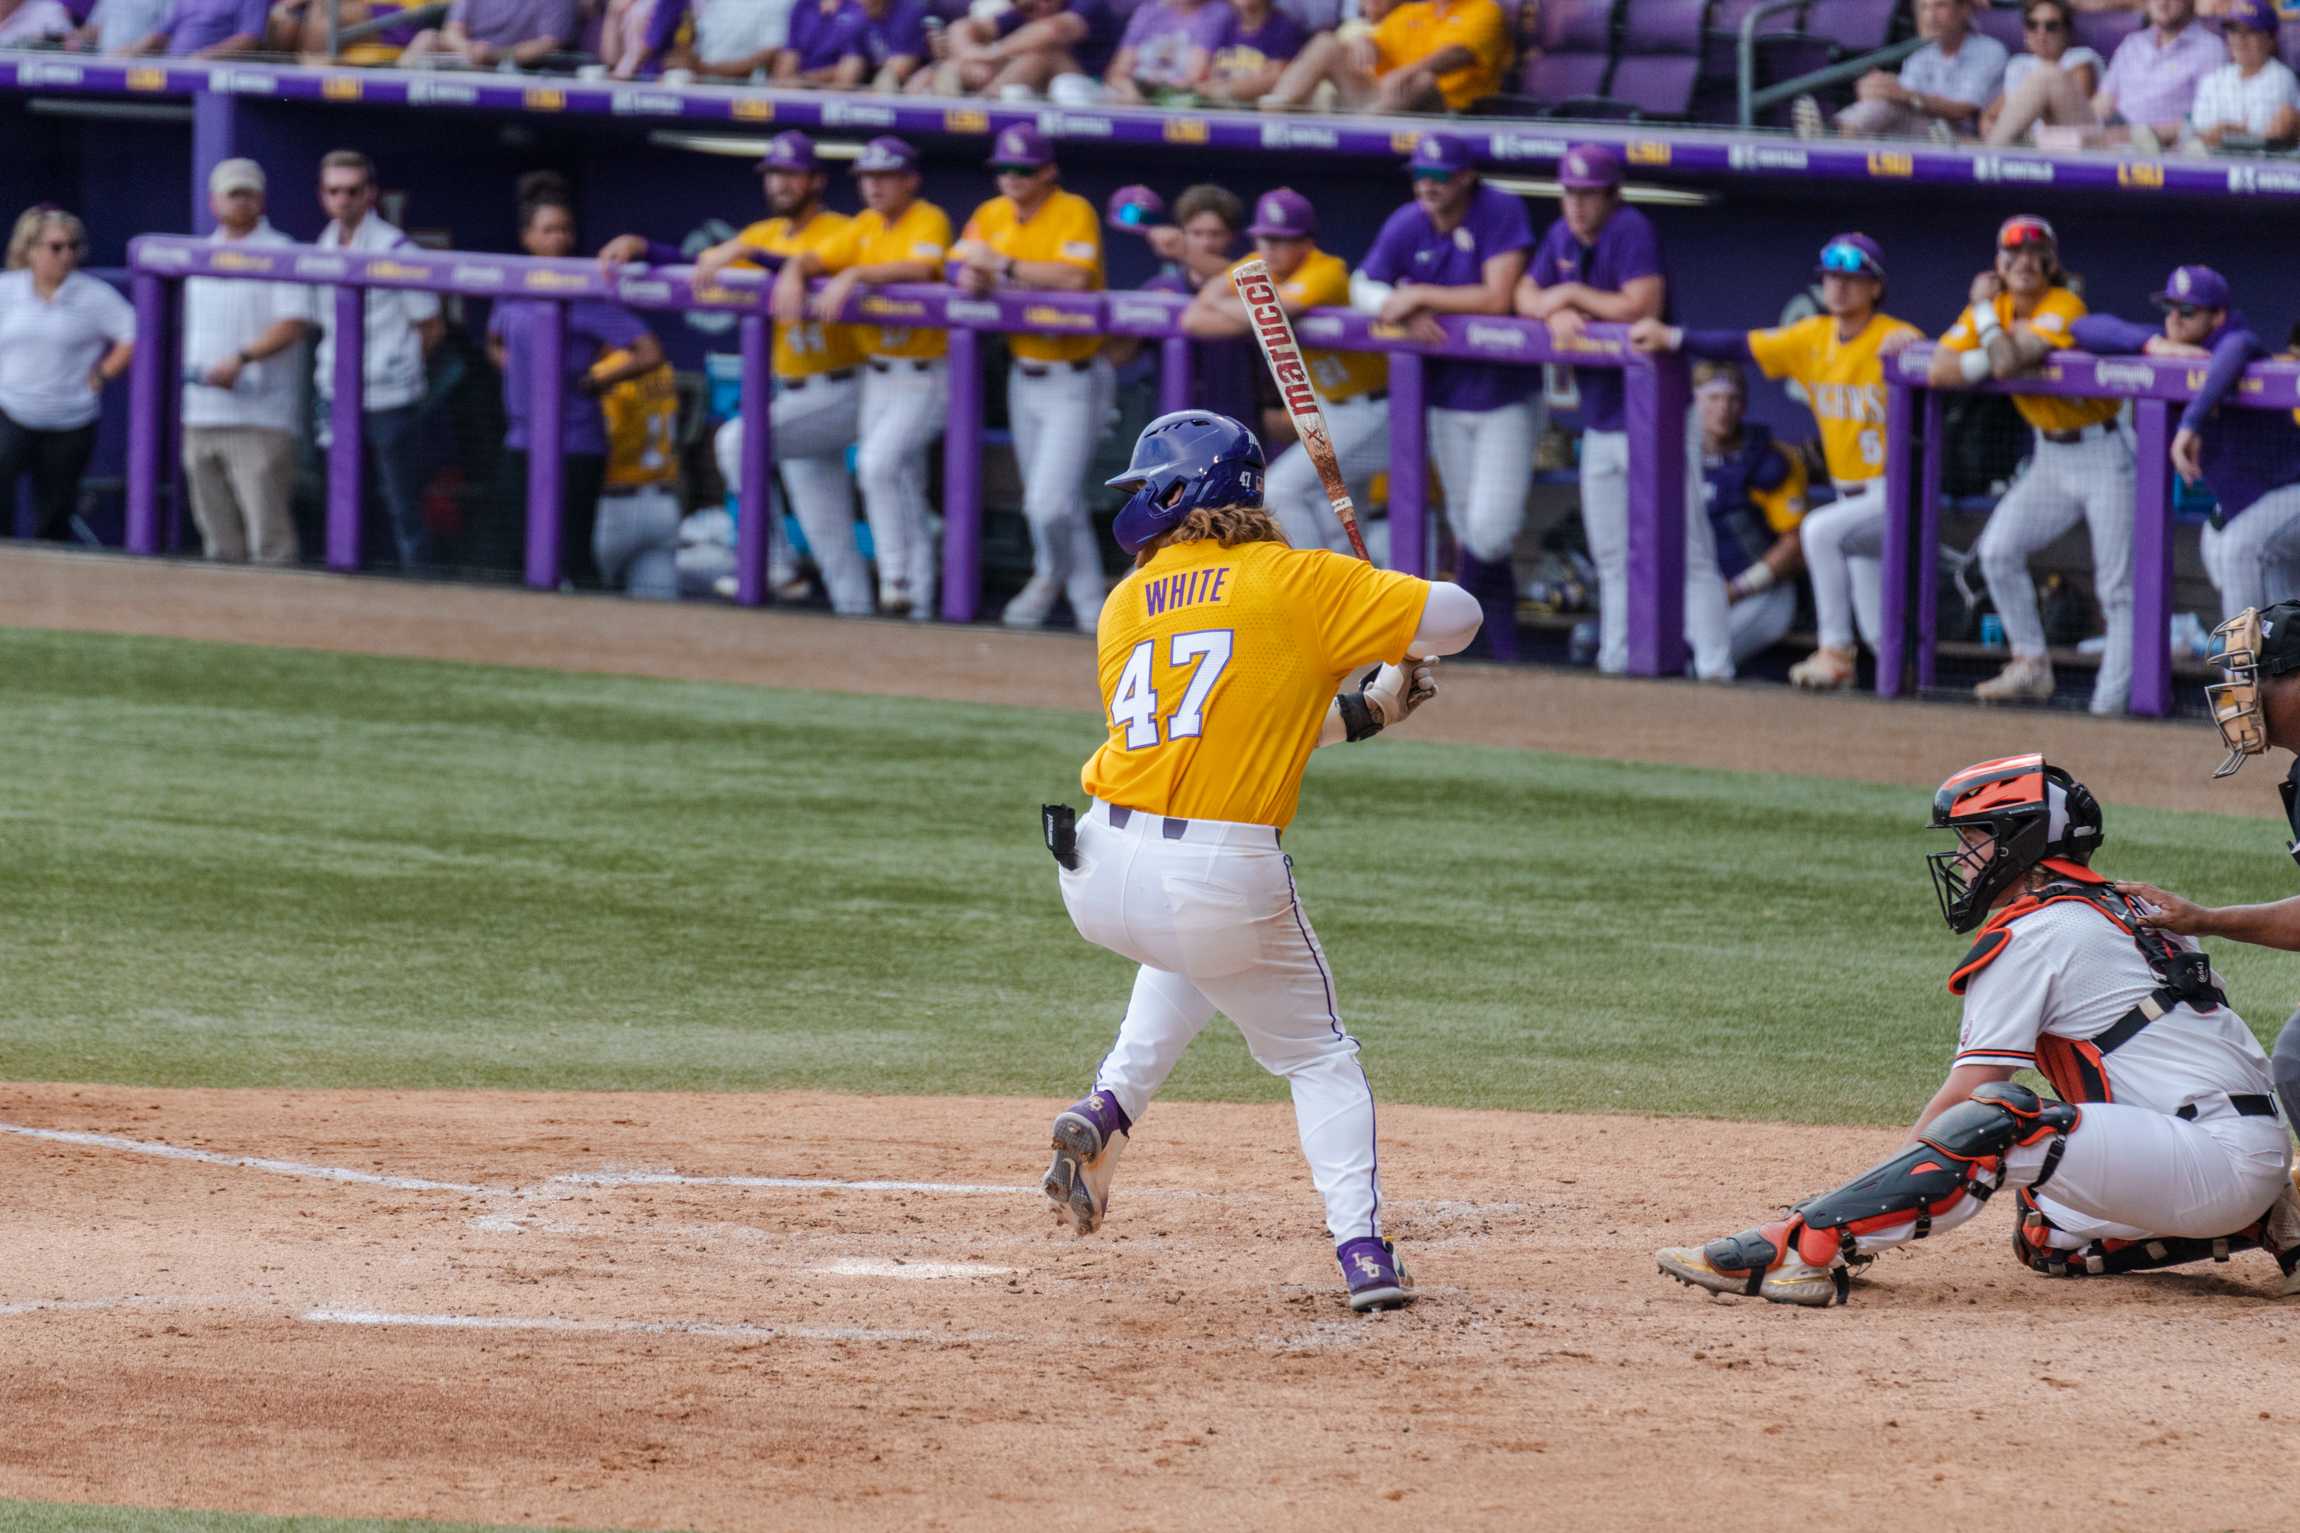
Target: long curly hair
{"points": [[1226, 525]]}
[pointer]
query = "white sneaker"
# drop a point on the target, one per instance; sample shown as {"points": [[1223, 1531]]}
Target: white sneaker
{"points": [[1805, 118], [2028, 679], [1032, 604], [894, 598]]}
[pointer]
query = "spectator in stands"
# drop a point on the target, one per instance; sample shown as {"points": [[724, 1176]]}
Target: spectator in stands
{"points": [[63, 336], [1753, 489], [1838, 358], [2080, 468], [2254, 94], [1035, 236], [898, 237], [1354, 385], [209, 29], [594, 327], [33, 23], [717, 40], [637, 539], [816, 53], [1257, 50], [488, 33], [243, 385], [2143, 100], [1601, 260], [1058, 48], [120, 26], [2250, 459], [1940, 90], [401, 329], [1167, 51], [2049, 27], [1422, 56], [885, 45], [1459, 248]]}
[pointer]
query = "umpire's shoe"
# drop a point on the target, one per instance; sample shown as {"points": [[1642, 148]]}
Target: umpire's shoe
{"points": [[1763, 1263], [1089, 1136], [1376, 1277]]}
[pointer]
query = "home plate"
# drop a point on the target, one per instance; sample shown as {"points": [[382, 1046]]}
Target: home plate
{"points": [[861, 1266]]}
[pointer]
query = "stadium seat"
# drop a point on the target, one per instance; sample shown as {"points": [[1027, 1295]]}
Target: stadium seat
{"points": [[2101, 31], [1568, 77], [1660, 59], [1854, 27], [2002, 23]]}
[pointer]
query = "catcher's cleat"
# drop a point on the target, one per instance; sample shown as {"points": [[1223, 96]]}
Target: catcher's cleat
{"points": [[2282, 1235], [1376, 1276], [1763, 1263], [1089, 1135]]}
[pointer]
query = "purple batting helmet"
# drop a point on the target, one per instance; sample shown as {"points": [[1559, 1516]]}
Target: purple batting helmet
{"points": [[1187, 459]]}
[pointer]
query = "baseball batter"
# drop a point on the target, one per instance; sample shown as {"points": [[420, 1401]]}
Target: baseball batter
{"points": [[1219, 655], [898, 237], [1353, 384], [2081, 466], [2166, 1145], [1838, 358]]}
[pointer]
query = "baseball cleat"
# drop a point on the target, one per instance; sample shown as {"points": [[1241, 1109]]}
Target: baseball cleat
{"points": [[1762, 1263], [1824, 670], [1033, 604], [1376, 1276], [2282, 1235], [1089, 1136], [2025, 680]]}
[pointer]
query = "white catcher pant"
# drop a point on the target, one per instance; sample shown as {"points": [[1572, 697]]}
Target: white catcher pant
{"points": [[1605, 517], [1057, 418], [903, 410], [2255, 559], [1213, 918], [1485, 461], [636, 541], [2063, 481], [1360, 429], [1843, 542], [813, 427], [1759, 622]]}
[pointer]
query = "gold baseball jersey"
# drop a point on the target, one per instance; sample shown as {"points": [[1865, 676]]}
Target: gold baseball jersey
{"points": [[922, 233], [1322, 281], [2057, 311], [642, 417], [1217, 666], [1844, 382], [802, 351], [1065, 228]]}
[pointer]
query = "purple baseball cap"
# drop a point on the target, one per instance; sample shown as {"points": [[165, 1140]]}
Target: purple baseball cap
{"points": [[1020, 146], [1284, 214], [1438, 154], [1589, 168], [789, 151], [2252, 15], [884, 156], [1133, 207], [2198, 285], [1852, 255]]}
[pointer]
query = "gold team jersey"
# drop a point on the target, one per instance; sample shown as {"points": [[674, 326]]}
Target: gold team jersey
{"points": [[1783, 506], [2056, 312], [802, 351], [922, 233], [1844, 382], [1322, 281], [642, 417], [1065, 228], [1218, 664], [1420, 28]]}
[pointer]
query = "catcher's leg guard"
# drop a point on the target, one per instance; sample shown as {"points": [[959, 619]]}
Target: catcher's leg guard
{"points": [[2037, 1251]]}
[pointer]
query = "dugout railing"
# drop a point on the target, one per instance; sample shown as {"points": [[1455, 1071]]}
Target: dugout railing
{"points": [[1655, 387], [2153, 391]]}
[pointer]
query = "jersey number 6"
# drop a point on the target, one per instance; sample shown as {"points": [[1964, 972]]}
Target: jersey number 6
{"points": [[1134, 706]]}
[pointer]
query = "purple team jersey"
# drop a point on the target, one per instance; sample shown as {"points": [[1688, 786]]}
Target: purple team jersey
{"points": [[1275, 41], [824, 31], [1627, 248], [898, 32], [1091, 51], [508, 23], [1164, 35], [1410, 249], [196, 24], [593, 326]]}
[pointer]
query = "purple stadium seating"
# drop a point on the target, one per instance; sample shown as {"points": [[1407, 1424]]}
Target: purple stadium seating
{"points": [[1854, 26], [2101, 31], [1660, 59], [1576, 55], [2002, 23], [1720, 58]]}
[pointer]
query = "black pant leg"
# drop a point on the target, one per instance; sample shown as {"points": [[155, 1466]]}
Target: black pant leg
{"points": [[583, 476], [59, 462]]}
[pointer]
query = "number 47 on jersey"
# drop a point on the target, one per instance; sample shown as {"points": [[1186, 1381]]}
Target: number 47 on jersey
{"points": [[1134, 706]]}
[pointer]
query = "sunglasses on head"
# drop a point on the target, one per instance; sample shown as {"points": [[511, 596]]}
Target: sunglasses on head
{"points": [[1851, 259], [2025, 238]]}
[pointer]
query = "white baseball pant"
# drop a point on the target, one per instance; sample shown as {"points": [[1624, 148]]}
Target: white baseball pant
{"points": [[1605, 518], [1759, 622], [636, 541], [814, 422], [1211, 914], [1485, 461], [2254, 560], [1843, 542], [1057, 413], [2061, 482], [904, 405], [1296, 496]]}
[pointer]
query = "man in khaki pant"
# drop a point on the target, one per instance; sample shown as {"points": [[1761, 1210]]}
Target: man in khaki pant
{"points": [[243, 384]]}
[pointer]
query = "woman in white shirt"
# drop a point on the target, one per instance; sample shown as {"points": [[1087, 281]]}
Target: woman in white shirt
{"points": [[2048, 28], [2254, 93], [63, 336]]}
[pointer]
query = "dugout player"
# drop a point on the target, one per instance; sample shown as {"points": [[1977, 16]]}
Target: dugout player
{"points": [[1059, 390], [1459, 248], [2249, 458], [898, 237], [1753, 490], [1838, 358], [1353, 384], [1218, 657], [2081, 466], [1601, 260], [2165, 1146], [815, 365]]}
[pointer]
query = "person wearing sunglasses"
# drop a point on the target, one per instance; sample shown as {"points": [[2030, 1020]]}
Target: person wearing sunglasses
{"points": [[64, 335], [2253, 95], [2079, 468], [1838, 358], [2048, 27], [2250, 459], [2144, 96]]}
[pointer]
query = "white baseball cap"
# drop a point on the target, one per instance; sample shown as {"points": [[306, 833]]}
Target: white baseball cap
{"points": [[234, 176]]}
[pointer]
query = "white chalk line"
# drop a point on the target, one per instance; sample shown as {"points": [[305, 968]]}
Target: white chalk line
{"points": [[709, 1328], [243, 1162], [864, 1266], [787, 1183]]}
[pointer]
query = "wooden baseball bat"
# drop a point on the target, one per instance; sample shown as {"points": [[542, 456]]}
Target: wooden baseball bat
{"points": [[1266, 317]]}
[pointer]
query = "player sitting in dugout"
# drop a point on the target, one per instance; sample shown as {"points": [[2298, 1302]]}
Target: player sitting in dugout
{"points": [[2165, 1146]]}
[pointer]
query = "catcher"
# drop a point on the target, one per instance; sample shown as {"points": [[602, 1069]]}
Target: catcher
{"points": [[2165, 1146]]}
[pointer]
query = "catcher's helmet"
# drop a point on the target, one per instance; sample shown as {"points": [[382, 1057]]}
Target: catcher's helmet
{"points": [[1190, 458], [2029, 811]]}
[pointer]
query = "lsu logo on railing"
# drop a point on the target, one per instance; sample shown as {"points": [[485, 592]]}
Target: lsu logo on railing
{"points": [[726, 297], [239, 260], [2195, 378], [1405, 142], [396, 271], [2123, 377], [1892, 164], [147, 79], [542, 98], [965, 120], [2147, 175], [1051, 317], [1647, 152], [751, 109], [1186, 130], [547, 280], [341, 88]]}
